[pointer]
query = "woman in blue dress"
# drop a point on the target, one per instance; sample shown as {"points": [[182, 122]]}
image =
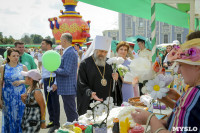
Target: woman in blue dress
{"points": [[127, 87], [11, 103]]}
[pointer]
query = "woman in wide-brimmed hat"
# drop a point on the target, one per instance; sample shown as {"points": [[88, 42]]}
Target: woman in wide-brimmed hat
{"points": [[185, 115]]}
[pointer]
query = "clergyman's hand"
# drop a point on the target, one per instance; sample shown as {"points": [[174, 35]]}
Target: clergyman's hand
{"points": [[94, 96], [115, 76]]}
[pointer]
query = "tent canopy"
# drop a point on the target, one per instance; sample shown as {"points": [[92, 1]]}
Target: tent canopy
{"points": [[142, 8]]}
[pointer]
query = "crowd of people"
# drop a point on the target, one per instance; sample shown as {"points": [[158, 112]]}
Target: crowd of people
{"points": [[85, 76]]}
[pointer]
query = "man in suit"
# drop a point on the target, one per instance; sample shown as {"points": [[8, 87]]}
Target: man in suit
{"points": [[66, 77]]}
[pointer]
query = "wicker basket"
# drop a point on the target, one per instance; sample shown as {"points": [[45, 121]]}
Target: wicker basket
{"points": [[135, 101]]}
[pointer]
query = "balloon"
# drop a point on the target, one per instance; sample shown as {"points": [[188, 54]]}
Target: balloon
{"points": [[5, 54], [51, 60]]}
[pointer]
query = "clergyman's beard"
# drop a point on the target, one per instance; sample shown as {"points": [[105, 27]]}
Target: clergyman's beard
{"points": [[99, 61]]}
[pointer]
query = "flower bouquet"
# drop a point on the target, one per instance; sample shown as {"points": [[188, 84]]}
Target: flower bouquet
{"points": [[114, 61], [122, 70]]}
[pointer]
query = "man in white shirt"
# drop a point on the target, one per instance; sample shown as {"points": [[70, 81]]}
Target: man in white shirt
{"points": [[53, 104], [32, 53], [40, 59]]}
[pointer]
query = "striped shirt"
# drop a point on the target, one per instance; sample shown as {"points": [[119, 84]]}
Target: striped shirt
{"points": [[186, 114]]}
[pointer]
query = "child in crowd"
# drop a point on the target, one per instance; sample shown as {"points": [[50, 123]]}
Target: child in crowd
{"points": [[34, 114]]}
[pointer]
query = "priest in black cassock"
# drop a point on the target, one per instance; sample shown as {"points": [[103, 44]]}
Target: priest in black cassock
{"points": [[95, 76]]}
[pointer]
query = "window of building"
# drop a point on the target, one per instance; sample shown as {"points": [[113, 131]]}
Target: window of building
{"points": [[178, 37], [165, 24], [165, 38], [128, 22], [141, 24], [114, 38]]}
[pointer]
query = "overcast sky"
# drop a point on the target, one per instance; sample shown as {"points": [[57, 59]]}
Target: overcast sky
{"points": [[18, 17]]}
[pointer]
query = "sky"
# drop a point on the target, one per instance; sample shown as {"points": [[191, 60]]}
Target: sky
{"points": [[20, 17]]}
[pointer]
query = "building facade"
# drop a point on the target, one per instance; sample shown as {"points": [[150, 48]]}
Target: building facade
{"points": [[114, 34], [130, 26]]}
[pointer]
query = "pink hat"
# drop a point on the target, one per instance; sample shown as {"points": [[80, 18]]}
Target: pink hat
{"points": [[34, 74]]}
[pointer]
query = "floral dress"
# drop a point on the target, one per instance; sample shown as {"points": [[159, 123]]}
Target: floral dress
{"points": [[32, 117], [13, 106]]}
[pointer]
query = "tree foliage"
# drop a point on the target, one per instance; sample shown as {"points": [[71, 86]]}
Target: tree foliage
{"points": [[6, 40], [26, 38]]}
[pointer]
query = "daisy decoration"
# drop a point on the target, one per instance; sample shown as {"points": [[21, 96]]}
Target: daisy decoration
{"points": [[158, 86]]}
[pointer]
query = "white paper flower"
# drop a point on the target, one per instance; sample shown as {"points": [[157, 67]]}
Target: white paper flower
{"points": [[144, 90], [95, 114], [142, 68], [89, 112], [112, 60], [97, 102], [109, 61], [120, 66], [166, 78], [122, 69], [157, 88], [110, 106], [106, 109], [125, 68], [105, 102], [92, 105], [99, 113], [120, 60], [146, 99], [115, 60], [110, 99], [100, 107]]}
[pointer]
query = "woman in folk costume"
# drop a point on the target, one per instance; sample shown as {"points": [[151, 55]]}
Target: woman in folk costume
{"points": [[185, 115], [95, 76]]}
